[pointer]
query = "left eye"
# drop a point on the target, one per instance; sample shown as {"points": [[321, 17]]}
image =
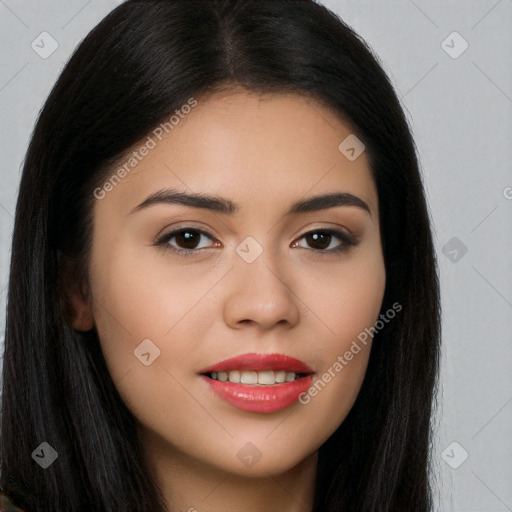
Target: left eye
{"points": [[323, 240]]}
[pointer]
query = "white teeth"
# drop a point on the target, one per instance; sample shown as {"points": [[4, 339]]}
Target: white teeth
{"points": [[265, 377], [249, 377], [234, 376]]}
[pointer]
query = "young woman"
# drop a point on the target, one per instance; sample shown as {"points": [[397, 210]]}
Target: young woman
{"points": [[223, 293]]}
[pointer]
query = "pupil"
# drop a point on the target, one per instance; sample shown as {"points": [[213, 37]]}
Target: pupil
{"points": [[187, 238], [317, 239]]}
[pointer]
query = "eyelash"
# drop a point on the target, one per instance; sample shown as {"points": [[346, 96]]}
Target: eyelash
{"points": [[348, 241]]}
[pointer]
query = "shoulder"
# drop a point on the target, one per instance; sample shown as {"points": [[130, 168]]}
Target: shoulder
{"points": [[7, 504]]}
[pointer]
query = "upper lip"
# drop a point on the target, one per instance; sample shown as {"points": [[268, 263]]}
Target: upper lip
{"points": [[260, 362]]}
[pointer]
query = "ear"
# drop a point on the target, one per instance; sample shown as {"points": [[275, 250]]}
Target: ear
{"points": [[76, 301]]}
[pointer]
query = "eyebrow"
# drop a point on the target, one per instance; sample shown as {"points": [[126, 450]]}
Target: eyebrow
{"points": [[228, 207]]}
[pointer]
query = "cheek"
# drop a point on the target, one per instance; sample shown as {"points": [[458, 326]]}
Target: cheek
{"points": [[137, 297], [348, 298], [348, 303], [135, 302]]}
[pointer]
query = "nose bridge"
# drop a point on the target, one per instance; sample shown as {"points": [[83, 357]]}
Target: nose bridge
{"points": [[258, 289]]}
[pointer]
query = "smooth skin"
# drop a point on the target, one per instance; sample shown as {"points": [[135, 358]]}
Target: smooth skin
{"points": [[263, 152]]}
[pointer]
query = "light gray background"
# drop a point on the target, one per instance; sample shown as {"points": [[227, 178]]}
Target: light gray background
{"points": [[460, 112]]}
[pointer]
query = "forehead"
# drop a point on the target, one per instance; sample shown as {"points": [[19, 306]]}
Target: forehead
{"points": [[251, 147]]}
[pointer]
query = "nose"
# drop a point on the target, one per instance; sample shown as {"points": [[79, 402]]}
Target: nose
{"points": [[260, 294]]}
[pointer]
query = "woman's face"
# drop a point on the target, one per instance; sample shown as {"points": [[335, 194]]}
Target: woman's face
{"points": [[258, 277]]}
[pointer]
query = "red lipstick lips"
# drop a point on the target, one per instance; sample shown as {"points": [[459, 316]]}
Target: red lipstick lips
{"points": [[259, 382]]}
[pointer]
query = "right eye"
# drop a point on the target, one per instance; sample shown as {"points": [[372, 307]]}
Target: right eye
{"points": [[188, 240]]}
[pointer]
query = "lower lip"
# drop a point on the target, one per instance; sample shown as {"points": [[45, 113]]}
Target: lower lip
{"points": [[263, 398]]}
